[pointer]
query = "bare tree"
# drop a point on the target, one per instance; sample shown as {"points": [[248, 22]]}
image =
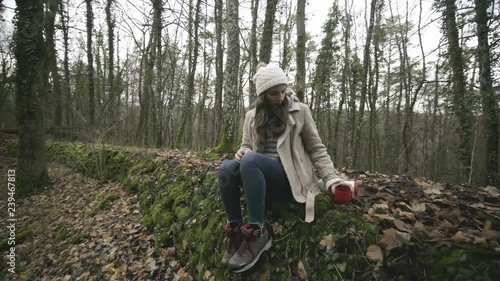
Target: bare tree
{"points": [[489, 100], [253, 48], [461, 100], [364, 83], [66, 80], [54, 71], [266, 43], [219, 67], [300, 76], [31, 90], [231, 78], [90, 62], [193, 47]]}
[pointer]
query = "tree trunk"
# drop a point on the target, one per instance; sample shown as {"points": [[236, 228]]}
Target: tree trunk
{"points": [[231, 78], [219, 70], [286, 30], [364, 86], [193, 59], [461, 101], [344, 88], [158, 99], [266, 43], [300, 76], [90, 63], [52, 60], [489, 100], [66, 85], [31, 89], [253, 49], [111, 90]]}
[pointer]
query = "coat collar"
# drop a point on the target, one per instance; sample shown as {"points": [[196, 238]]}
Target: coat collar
{"points": [[293, 105]]}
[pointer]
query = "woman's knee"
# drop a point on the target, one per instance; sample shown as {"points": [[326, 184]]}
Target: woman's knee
{"points": [[228, 171], [249, 157]]}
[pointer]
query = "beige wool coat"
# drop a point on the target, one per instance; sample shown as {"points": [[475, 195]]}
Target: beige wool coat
{"points": [[301, 152]]}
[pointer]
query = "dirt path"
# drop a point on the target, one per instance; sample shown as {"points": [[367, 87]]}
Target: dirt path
{"points": [[82, 229]]}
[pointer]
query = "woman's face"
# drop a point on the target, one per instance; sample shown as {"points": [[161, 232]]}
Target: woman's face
{"points": [[276, 95]]}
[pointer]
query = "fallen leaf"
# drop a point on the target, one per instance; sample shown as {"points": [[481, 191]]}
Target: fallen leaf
{"points": [[418, 207], [374, 253], [109, 267], [206, 275], [402, 226], [436, 188], [446, 225], [423, 184], [419, 226], [477, 205], [452, 216], [302, 271], [277, 228], [264, 275], [481, 241], [494, 192], [170, 251], [487, 233], [405, 214], [327, 241], [460, 237], [381, 206], [150, 265], [393, 239], [403, 204]]}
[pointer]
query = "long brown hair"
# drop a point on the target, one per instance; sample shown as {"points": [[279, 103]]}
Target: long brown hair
{"points": [[269, 121]]}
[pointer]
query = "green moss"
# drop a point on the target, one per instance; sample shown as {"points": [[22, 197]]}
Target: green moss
{"points": [[103, 203], [180, 204], [79, 238], [12, 148], [131, 184], [61, 236], [21, 236], [162, 216], [163, 177], [148, 222]]}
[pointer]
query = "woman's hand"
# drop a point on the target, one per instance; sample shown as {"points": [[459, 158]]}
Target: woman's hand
{"points": [[240, 154], [332, 187]]}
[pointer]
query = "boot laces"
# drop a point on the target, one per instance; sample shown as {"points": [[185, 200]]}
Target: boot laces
{"points": [[246, 245]]}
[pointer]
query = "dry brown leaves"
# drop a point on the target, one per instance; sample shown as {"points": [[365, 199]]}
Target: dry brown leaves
{"points": [[68, 243], [409, 208]]}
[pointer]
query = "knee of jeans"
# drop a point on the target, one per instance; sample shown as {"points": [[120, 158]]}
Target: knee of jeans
{"points": [[227, 170], [248, 158], [227, 165]]}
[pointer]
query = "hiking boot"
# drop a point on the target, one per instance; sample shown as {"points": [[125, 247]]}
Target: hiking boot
{"points": [[234, 239], [254, 244]]}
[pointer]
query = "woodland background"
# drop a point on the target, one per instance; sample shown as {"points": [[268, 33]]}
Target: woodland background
{"points": [[184, 81]]}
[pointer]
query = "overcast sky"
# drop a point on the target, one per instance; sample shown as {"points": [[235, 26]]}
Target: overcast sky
{"points": [[317, 12]]}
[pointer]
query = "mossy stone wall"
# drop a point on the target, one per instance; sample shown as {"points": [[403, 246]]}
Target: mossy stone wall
{"points": [[180, 204]]}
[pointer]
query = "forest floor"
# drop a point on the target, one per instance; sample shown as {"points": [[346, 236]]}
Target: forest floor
{"points": [[79, 228]]}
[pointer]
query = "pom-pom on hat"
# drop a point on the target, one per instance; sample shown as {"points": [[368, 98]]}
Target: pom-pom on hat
{"points": [[268, 76]]}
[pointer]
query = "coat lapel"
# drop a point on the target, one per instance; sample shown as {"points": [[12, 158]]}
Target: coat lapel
{"points": [[294, 106]]}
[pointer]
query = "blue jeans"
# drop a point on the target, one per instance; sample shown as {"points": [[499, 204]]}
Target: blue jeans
{"points": [[259, 175]]}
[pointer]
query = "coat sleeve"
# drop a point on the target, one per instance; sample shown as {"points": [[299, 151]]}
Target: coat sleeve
{"points": [[246, 142], [317, 150]]}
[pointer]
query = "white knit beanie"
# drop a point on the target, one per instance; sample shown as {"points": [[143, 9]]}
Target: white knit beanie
{"points": [[268, 76]]}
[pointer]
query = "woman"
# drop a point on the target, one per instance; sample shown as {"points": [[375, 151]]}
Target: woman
{"points": [[279, 154]]}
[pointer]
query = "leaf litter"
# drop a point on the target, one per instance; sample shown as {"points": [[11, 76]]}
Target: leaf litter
{"points": [[69, 243], [416, 209]]}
